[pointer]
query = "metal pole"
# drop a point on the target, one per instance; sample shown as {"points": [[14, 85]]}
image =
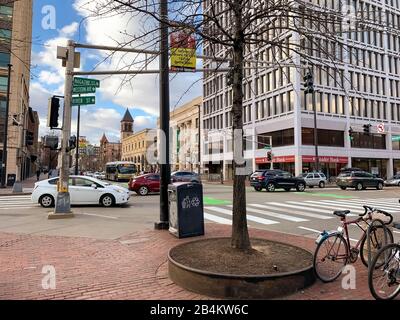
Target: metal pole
{"points": [[165, 170], [272, 155], [5, 137], [199, 145], [63, 204], [315, 132], [77, 145]]}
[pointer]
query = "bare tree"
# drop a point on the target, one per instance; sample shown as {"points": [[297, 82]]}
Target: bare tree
{"points": [[298, 34]]}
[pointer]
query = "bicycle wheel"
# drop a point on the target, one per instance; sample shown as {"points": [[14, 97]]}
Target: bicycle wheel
{"points": [[384, 281], [377, 237], [330, 257]]}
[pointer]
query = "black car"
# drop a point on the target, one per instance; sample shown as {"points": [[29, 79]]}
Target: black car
{"points": [[276, 179], [359, 180]]}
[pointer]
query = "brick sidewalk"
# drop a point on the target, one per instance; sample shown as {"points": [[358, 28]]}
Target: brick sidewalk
{"points": [[27, 186], [133, 267]]}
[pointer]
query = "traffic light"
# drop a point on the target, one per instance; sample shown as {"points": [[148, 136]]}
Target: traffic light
{"points": [[269, 155], [71, 143], [53, 112], [367, 129], [308, 82], [351, 133], [29, 138]]}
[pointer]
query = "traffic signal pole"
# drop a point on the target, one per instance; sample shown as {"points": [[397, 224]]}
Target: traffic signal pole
{"points": [[63, 202], [77, 145], [315, 132]]}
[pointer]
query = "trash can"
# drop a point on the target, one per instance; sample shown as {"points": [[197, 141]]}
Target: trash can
{"points": [[186, 212], [11, 179]]}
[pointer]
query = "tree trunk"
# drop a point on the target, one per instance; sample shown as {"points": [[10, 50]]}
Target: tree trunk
{"points": [[240, 233]]}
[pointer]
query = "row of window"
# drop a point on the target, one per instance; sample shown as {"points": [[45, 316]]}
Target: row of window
{"points": [[136, 145], [360, 107], [6, 13], [324, 102], [367, 83]]}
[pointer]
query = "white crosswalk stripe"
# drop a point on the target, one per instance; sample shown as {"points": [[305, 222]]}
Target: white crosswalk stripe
{"points": [[298, 211], [12, 202]]}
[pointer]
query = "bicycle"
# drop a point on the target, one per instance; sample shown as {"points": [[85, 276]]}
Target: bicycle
{"points": [[384, 273], [334, 251]]}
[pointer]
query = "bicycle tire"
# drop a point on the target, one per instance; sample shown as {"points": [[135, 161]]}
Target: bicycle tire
{"points": [[317, 271], [375, 291], [363, 244]]}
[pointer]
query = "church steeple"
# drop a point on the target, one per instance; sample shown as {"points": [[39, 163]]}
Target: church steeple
{"points": [[126, 125]]}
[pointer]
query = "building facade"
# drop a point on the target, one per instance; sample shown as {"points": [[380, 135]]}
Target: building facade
{"points": [[16, 38], [134, 149], [185, 127], [357, 83], [109, 152]]}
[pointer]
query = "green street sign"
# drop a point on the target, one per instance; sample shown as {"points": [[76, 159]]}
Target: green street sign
{"points": [[82, 90], [79, 101], [267, 147], [84, 82], [395, 138]]}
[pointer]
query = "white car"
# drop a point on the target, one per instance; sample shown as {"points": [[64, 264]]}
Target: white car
{"points": [[83, 190], [395, 181]]}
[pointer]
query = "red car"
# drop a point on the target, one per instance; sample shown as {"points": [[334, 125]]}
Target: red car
{"points": [[145, 184]]}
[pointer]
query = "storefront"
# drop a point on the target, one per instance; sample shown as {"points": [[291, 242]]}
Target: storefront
{"points": [[396, 167], [285, 163], [374, 166], [329, 165]]}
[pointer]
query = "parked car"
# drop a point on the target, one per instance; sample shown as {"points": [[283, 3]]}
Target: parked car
{"points": [[102, 175], [394, 181], [145, 184], [276, 179], [185, 176], [314, 179], [83, 190], [96, 175], [359, 180]]}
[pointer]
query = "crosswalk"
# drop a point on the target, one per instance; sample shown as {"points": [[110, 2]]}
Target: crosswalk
{"points": [[272, 213], [13, 202]]}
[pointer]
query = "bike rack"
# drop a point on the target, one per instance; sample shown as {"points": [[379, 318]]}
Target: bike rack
{"points": [[374, 223]]}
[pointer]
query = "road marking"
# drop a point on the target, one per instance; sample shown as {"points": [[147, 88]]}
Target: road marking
{"points": [[249, 217], [335, 206], [98, 215], [379, 202], [296, 207], [379, 205], [317, 231], [306, 214], [217, 219], [346, 205], [275, 215], [9, 208]]}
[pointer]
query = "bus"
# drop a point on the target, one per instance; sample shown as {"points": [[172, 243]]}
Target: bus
{"points": [[120, 170]]}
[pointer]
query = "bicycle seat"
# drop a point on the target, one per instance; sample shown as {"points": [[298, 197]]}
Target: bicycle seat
{"points": [[341, 213], [396, 225]]}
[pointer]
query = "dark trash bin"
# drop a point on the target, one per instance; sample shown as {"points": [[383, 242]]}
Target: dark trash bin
{"points": [[11, 180], [186, 210]]}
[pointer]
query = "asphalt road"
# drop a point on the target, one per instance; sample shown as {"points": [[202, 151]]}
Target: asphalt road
{"points": [[305, 213]]}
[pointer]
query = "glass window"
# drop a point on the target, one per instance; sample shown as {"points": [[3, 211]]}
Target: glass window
{"points": [[4, 59], [6, 12], [81, 182], [5, 34], [329, 138], [3, 83]]}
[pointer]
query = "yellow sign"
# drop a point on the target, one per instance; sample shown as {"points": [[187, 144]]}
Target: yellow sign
{"points": [[183, 51]]}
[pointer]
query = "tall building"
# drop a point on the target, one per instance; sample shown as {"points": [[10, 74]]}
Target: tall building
{"points": [[15, 39], [126, 125], [109, 152], [357, 81]]}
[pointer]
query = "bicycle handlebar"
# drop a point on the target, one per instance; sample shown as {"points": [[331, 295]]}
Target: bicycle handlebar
{"points": [[370, 209]]}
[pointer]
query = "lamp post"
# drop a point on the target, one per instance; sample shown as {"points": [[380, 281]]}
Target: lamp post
{"points": [[5, 136]]}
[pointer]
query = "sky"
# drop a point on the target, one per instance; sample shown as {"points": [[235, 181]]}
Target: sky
{"points": [[72, 20]]}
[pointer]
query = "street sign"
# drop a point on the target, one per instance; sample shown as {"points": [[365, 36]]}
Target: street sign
{"points": [[79, 101], [84, 82], [267, 147], [82, 90], [395, 138], [381, 128]]}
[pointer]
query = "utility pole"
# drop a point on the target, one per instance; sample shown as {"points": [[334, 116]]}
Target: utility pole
{"points": [[5, 137], [77, 145], [165, 169], [63, 202], [198, 143]]}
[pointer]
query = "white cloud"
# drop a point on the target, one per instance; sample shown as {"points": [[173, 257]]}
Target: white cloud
{"points": [[69, 30], [49, 77]]}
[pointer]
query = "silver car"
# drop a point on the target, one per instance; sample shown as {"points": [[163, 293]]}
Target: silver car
{"points": [[185, 176], [314, 179], [395, 181]]}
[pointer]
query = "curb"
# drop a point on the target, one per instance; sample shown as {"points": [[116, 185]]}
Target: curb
{"points": [[15, 194]]}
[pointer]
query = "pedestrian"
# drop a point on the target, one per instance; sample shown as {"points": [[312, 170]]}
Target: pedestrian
{"points": [[38, 174]]}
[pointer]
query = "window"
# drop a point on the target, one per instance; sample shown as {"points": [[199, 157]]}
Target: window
{"points": [[373, 141], [3, 83], [6, 13], [5, 34], [279, 138], [329, 138], [4, 60]]}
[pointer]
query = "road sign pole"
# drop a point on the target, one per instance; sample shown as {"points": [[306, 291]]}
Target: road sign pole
{"points": [[62, 207], [272, 156], [77, 145]]}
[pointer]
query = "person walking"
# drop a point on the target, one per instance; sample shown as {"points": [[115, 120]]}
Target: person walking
{"points": [[38, 174]]}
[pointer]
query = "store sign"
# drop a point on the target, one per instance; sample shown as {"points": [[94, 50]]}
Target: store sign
{"points": [[281, 159], [183, 51], [325, 159]]}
